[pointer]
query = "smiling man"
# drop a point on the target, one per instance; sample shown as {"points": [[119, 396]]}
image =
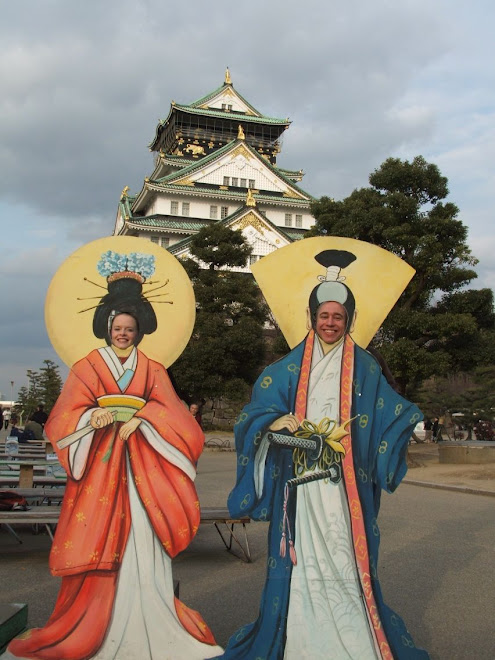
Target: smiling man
{"points": [[322, 435]]}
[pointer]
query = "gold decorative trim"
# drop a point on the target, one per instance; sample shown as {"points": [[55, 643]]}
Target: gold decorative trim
{"points": [[195, 150], [228, 79], [241, 150], [184, 182], [251, 220], [293, 194]]}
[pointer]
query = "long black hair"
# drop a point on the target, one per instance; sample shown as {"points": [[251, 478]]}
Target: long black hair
{"points": [[125, 296]]}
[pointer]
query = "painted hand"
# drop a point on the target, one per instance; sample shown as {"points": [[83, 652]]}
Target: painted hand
{"points": [[100, 418], [128, 428], [289, 422]]}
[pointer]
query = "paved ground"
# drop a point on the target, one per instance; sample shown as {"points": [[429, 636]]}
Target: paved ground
{"points": [[437, 559]]}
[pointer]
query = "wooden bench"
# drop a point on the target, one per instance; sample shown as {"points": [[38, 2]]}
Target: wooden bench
{"points": [[13, 481], [222, 520], [40, 514], [48, 515]]}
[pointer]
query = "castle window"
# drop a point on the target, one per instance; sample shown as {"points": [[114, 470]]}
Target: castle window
{"points": [[288, 219], [213, 212], [251, 183], [243, 183], [235, 181], [174, 208], [298, 220], [185, 209], [226, 180], [160, 240], [224, 211]]}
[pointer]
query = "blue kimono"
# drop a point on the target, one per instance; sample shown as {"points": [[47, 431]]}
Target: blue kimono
{"points": [[380, 431]]}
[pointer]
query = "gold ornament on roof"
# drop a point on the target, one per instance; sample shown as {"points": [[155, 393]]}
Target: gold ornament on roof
{"points": [[124, 192], [228, 79], [241, 150], [291, 193], [240, 133], [250, 200], [251, 220]]}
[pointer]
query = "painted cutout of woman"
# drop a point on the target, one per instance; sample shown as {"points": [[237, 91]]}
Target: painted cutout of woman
{"points": [[323, 435], [130, 449]]}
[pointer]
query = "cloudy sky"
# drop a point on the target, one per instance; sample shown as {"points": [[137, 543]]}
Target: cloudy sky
{"points": [[83, 85]]}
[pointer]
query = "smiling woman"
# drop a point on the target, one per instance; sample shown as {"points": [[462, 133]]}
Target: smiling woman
{"points": [[124, 331]]}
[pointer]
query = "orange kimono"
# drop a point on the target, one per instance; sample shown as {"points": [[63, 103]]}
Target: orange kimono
{"points": [[129, 507]]}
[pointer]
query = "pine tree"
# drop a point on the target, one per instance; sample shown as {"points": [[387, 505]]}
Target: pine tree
{"points": [[225, 353]]}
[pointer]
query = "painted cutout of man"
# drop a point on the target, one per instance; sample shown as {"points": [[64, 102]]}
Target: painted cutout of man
{"points": [[130, 449], [322, 435]]}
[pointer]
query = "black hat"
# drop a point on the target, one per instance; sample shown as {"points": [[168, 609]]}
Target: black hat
{"points": [[331, 287]]}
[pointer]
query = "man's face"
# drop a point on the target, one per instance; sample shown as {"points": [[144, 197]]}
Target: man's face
{"points": [[194, 409], [124, 331], [331, 319]]}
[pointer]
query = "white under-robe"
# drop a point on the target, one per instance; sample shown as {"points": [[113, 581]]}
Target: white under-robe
{"points": [[144, 623]]}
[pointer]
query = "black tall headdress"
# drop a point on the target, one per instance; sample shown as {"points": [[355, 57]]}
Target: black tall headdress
{"points": [[331, 287], [126, 274]]}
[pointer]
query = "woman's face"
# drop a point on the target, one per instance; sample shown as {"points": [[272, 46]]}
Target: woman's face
{"points": [[124, 331]]}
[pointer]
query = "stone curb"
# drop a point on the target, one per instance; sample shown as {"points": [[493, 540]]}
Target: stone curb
{"points": [[457, 489]]}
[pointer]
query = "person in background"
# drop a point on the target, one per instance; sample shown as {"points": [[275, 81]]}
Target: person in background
{"points": [[40, 416], [435, 429], [35, 428], [15, 431], [195, 412], [6, 417], [428, 427]]}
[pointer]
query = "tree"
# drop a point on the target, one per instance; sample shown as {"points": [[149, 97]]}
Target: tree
{"points": [[44, 388], [226, 348], [471, 396], [50, 384], [403, 212]]}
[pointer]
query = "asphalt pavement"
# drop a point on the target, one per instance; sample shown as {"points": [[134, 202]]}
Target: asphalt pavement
{"points": [[437, 559]]}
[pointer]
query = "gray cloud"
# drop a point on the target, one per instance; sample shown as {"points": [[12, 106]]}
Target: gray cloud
{"points": [[84, 84]]}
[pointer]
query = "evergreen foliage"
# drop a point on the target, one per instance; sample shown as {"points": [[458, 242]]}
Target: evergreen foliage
{"points": [[44, 387], [471, 396], [437, 327], [225, 353]]}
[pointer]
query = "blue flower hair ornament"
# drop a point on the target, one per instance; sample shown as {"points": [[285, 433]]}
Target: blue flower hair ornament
{"points": [[125, 274]]}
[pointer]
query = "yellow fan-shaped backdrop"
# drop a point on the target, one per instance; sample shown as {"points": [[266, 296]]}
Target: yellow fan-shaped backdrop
{"points": [[71, 329], [287, 276]]}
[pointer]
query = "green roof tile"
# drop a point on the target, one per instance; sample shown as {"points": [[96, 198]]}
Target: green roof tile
{"points": [[231, 115], [194, 224]]}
